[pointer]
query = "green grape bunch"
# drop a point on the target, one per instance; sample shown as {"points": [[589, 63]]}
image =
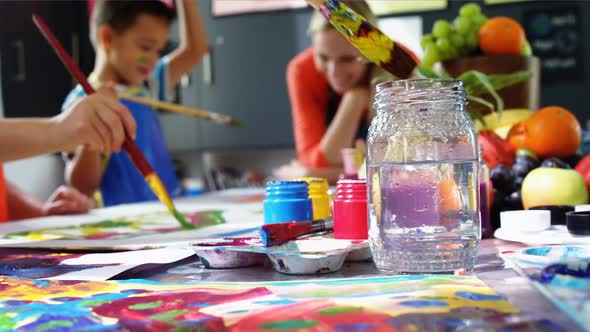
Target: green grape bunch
{"points": [[453, 40]]}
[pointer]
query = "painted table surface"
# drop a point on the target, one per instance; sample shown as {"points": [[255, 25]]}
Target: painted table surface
{"points": [[490, 268]]}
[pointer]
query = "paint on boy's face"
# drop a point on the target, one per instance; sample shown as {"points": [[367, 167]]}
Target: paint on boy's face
{"points": [[136, 50], [142, 60]]}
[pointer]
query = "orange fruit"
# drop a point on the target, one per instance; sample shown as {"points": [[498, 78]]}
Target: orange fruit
{"points": [[501, 35], [450, 195], [552, 131]]}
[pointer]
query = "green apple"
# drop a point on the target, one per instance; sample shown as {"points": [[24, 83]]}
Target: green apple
{"points": [[526, 50], [553, 186]]}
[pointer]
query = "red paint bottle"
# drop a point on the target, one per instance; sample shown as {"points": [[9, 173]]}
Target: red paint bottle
{"points": [[350, 210]]}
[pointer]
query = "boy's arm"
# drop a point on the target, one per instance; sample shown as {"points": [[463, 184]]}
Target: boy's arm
{"points": [[193, 42], [83, 170]]}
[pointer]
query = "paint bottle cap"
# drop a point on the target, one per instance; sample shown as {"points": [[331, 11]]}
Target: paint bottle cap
{"points": [[350, 210], [557, 212], [193, 186], [317, 186], [578, 223], [525, 220], [583, 207], [287, 201], [318, 192]]}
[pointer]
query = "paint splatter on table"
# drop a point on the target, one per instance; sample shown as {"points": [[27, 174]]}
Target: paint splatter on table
{"points": [[381, 303]]}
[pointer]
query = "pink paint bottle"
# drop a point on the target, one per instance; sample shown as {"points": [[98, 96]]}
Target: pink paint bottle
{"points": [[350, 210]]}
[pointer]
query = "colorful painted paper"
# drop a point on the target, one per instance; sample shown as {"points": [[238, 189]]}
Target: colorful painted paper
{"points": [[35, 264], [141, 226], [569, 292], [120, 228], [398, 303]]}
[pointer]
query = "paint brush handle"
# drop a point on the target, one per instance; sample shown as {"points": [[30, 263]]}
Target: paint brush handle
{"points": [[129, 146], [370, 41], [62, 54], [322, 225], [201, 114]]}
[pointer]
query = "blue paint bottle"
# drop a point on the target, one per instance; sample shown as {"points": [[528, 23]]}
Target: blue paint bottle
{"points": [[287, 201]]}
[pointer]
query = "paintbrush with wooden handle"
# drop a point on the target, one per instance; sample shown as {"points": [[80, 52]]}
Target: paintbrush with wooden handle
{"points": [[376, 46], [279, 233], [180, 109]]}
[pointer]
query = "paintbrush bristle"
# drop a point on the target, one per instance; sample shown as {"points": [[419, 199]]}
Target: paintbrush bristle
{"points": [[279, 233], [182, 220], [237, 123]]}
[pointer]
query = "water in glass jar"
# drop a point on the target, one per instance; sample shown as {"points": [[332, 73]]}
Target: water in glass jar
{"points": [[424, 216]]}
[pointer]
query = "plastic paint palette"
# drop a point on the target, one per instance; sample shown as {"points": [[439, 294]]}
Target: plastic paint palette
{"points": [[562, 273], [313, 255], [215, 253], [557, 254], [538, 257]]}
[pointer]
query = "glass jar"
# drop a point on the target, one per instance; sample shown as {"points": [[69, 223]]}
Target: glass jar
{"points": [[485, 199], [423, 180]]}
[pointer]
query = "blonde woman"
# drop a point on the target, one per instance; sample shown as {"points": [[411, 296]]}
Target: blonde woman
{"points": [[330, 89]]}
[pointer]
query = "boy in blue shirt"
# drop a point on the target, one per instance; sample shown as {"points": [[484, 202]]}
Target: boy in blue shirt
{"points": [[128, 37]]}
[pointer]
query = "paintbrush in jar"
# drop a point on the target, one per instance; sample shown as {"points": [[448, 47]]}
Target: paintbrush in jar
{"points": [[279, 233]]}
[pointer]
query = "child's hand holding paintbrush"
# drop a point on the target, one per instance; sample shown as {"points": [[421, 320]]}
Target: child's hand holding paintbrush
{"points": [[98, 121]]}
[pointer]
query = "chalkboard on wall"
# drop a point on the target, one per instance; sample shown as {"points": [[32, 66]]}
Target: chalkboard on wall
{"points": [[555, 35]]}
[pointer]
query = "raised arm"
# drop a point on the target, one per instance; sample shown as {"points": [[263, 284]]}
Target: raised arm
{"points": [[193, 41]]}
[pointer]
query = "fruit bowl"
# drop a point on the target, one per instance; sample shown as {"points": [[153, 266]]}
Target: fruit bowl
{"points": [[521, 95]]}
